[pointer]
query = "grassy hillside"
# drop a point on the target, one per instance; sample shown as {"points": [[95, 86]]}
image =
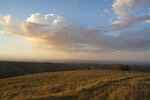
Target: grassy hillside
{"points": [[77, 85]]}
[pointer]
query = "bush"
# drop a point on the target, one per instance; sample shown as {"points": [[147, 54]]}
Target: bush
{"points": [[119, 67]]}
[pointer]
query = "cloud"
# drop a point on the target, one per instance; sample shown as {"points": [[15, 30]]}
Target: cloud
{"points": [[125, 8], [6, 20], [45, 19], [130, 41], [104, 12], [147, 21], [75, 38], [125, 23], [65, 37], [52, 32], [8, 25]]}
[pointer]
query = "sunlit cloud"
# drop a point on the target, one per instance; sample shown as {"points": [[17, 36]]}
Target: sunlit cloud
{"points": [[45, 19], [54, 32]]}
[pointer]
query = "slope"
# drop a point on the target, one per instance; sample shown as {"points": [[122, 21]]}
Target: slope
{"points": [[74, 85]]}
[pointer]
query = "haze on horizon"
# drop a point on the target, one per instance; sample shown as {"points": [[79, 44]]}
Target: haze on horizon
{"points": [[108, 30]]}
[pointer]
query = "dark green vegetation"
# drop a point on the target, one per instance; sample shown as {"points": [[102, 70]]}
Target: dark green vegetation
{"points": [[9, 69], [77, 85], [58, 81]]}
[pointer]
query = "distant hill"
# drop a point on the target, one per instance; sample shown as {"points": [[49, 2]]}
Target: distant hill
{"points": [[9, 69]]}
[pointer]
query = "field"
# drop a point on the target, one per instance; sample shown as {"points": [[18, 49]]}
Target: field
{"points": [[92, 84]]}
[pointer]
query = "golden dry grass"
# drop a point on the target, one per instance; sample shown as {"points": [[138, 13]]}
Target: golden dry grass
{"points": [[77, 85]]}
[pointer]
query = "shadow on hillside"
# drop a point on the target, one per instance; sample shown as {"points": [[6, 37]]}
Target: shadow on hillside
{"points": [[9, 69]]}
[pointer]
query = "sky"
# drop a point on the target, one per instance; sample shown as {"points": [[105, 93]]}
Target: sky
{"points": [[101, 30]]}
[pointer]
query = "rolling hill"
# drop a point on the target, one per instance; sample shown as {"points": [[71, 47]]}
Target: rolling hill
{"points": [[90, 84], [10, 68], [69, 81]]}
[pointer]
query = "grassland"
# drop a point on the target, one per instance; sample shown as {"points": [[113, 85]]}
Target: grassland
{"points": [[77, 85]]}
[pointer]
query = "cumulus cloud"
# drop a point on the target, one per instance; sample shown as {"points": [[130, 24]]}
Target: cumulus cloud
{"points": [[40, 30], [6, 20], [51, 31], [125, 8], [8, 25], [75, 38], [45, 19], [65, 37]]}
